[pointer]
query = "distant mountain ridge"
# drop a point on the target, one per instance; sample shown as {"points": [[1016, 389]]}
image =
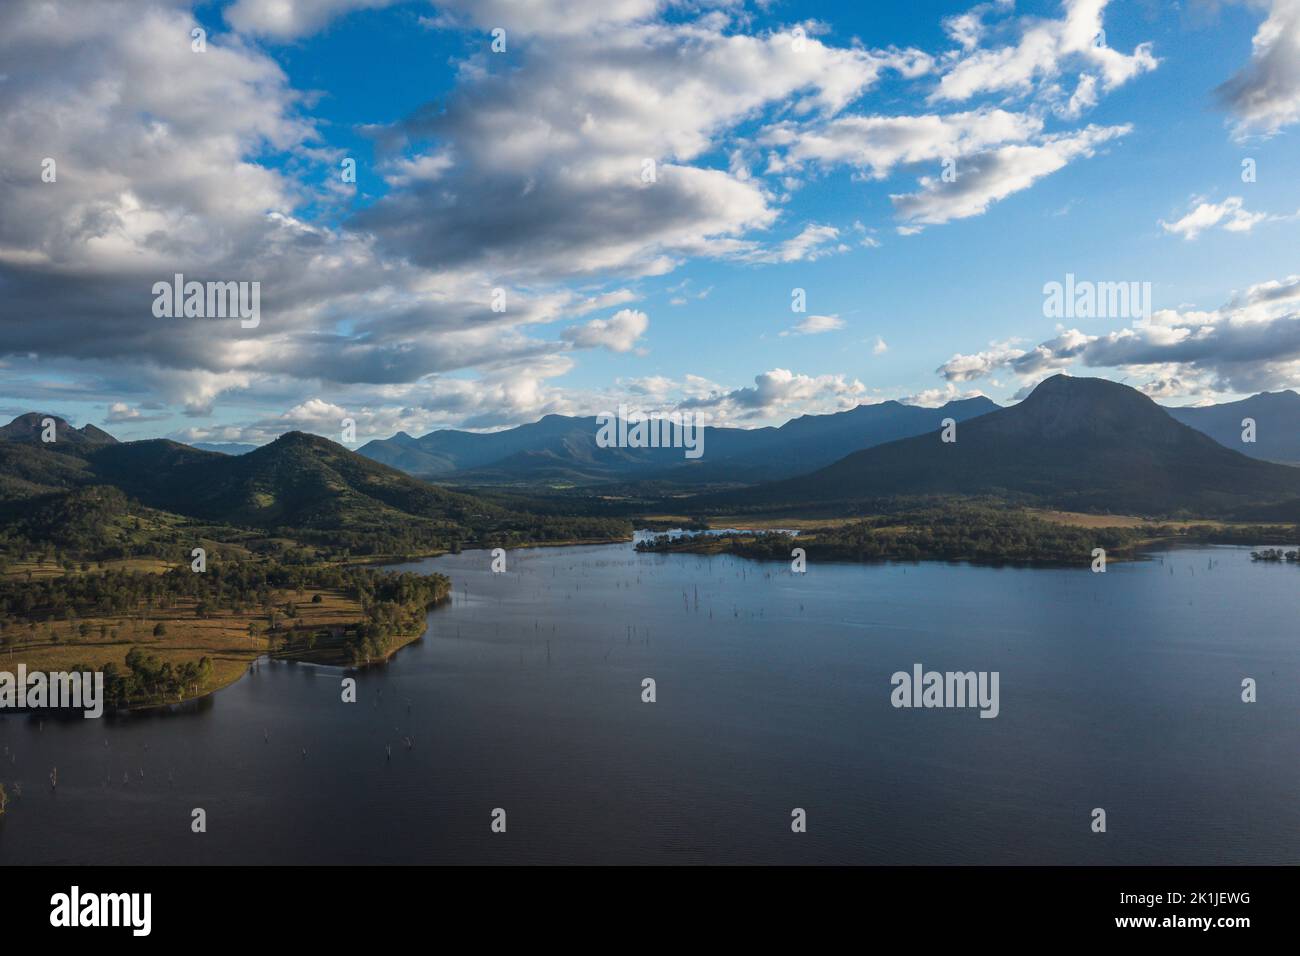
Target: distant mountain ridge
{"points": [[563, 448], [1080, 443], [1277, 424], [1083, 444], [225, 447]]}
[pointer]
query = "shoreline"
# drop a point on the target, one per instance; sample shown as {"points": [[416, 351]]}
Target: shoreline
{"points": [[711, 546], [706, 545]]}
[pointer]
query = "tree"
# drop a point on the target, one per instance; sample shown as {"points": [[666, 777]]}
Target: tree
{"points": [[160, 629]]}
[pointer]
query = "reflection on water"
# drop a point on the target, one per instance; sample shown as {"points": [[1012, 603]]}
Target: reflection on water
{"points": [[1119, 691]]}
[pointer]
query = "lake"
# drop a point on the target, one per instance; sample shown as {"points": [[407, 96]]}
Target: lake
{"points": [[1119, 690]]}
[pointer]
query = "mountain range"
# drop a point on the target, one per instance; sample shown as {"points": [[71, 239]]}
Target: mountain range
{"points": [[1277, 424], [559, 448], [1084, 444], [1074, 443], [562, 449]]}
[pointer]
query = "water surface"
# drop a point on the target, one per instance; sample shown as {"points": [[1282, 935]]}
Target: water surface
{"points": [[1119, 691]]}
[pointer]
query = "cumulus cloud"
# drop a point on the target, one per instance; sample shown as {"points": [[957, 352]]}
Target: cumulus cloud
{"points": [[120, 413], [966, 368], [988, 152], [781, 392], [291, 19], [528, 179], [1264, 95], [1228, 215], [581, 157], [618, 333], [543, 17], [935, 397], [1250, 344], [1043, 47]]}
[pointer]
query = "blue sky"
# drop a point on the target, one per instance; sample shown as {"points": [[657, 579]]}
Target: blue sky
{"points": [[797, 146]]}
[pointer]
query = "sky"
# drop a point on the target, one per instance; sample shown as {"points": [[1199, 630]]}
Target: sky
{"points": [[477, 212]]}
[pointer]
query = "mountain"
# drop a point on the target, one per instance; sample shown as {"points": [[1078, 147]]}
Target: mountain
{"points": [[225, 447], [297, 481], [299, 486], [31, 427], [560, 448], [1277, 424], [813, 441], [1076, 443], [556, 447]]}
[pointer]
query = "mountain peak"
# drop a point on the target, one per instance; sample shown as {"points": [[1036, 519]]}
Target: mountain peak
{"points": [[975, 401], [1074, 443], [29, 427], [1063, 404], [299, 439]]}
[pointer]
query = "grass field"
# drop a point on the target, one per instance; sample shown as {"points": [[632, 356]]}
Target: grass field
{"points": [[49, 569], [223, 637]]}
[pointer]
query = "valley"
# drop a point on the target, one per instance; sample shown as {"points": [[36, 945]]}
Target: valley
{"points": [[97, 536]]}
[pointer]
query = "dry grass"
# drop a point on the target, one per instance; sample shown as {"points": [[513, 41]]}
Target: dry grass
{"points": [[1080, 520], [52, 569], [221, 636]]}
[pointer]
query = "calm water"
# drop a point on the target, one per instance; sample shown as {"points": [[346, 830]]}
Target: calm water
{"points": [[1119, 691]]}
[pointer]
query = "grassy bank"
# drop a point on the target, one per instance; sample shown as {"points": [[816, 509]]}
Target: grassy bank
{"points": [[166, 638]]}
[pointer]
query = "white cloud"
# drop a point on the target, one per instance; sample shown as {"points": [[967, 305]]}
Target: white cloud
{"points": [[618, 333], [815, 325], [984, 179], [290, 19], [1043, 48], [935, 397], [544, 17], [121, 412], [1082, 99], [812, 243], [1250, 344], [1265, 94], [877, 144], [782, 393], [550, 153], [1228, 214], [965, 368]]}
